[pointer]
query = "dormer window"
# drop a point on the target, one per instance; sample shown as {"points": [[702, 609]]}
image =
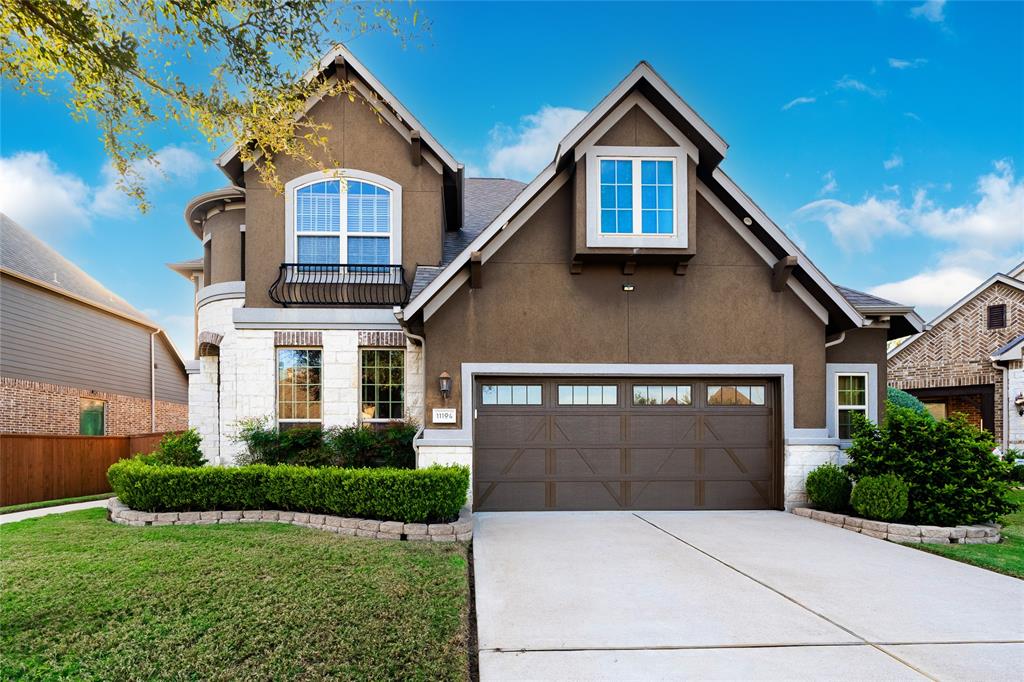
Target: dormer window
{"points": [[354, 219], [636, 197]]}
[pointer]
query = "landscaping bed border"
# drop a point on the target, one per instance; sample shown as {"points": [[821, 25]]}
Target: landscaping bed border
{"points": [[978, 534], [460, 530]]}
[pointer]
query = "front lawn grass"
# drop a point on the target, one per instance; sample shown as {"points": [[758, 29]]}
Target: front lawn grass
{"points": [[1006, 557], [52, 503], [86, 599]]}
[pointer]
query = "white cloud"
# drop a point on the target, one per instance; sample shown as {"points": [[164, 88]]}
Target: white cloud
{"points": [[931, 10], [54, 204], [521, 153], [932, 291], [831, 184], [894, 161], [993, 224], [912, 115], [907, 63], [850, 83], [855, 227], [170, 163], [797, 102], [38, 196]]}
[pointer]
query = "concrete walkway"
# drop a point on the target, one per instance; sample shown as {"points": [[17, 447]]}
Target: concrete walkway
{"points": [[730, 595], [46, 511]]}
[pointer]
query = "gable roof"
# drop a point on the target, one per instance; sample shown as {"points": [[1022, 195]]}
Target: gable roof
{"points": [[228, 160], [1017, 271], [26, 257], [712, 147], [1011, 350], [998, 277]]}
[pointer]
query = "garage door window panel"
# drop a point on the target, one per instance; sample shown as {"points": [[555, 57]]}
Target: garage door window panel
{"points": [[511, 394], [733, 395], [578, 394], [647, 394]]}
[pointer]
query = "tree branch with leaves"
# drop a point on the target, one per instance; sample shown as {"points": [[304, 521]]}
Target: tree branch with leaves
{"points": [[121, 62]]}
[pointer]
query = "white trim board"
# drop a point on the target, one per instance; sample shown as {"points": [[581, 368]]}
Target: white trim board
{"points": [[642, 71], [635, 99], [314, 318], [464, 436], [221, 291]]}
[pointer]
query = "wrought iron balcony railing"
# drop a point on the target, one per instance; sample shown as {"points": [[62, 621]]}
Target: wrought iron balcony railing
{"points": [[345, 284]]}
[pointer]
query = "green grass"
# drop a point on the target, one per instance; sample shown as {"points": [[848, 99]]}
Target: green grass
{"points": [[1006, 557], [52, 503], [86, 599]]}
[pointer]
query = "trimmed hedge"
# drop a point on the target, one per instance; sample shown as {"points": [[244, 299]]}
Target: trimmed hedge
{"points": [[431, 495], [895, 396]]}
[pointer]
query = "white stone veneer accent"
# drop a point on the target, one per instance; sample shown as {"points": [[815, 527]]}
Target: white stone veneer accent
{"points": [[1015, 425], [801, 460], [428, 455]]}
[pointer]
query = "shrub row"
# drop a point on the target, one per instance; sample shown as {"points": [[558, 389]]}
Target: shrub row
{"points": [[431, 495], [350, 446]]}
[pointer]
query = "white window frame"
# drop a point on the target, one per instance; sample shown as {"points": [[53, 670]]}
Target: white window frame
{"points": [[291, 243], [832, 372], [678, 239], [277, 386], [844, 406], [405, 386]]}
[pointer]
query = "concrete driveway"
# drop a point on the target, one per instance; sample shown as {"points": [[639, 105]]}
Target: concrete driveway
{"points": [[730, 595]]}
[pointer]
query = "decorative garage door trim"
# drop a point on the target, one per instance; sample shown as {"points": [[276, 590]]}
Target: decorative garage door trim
{"points": [[594, 443]]}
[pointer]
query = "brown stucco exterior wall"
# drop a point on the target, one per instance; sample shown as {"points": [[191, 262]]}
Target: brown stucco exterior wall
{"points": [[864, 346], [357, 140], [225, 245], [531, 309]]}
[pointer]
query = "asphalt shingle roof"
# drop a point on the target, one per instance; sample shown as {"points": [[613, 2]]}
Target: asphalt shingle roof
{"points": [[484, 199], [25, 254], [859, 298]]}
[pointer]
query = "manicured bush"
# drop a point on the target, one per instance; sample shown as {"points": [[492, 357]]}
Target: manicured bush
{"points": [[828, 488], [882, 498], [352, 446], [895, 396], [178, 449], [953, 475], [1016, 470], [409, 495]]}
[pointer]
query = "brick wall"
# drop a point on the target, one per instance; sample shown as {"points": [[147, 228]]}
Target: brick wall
{"points": [[956, 351], [968, 406], [34, 407]]}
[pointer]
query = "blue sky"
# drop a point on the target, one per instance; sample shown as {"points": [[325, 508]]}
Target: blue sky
{"points": [[887, 138]]}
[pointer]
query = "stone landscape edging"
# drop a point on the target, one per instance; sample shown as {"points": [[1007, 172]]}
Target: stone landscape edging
{"points": [[457, 531], [978, 534]]}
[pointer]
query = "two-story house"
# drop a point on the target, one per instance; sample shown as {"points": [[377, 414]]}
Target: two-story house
{"points": [[628, 330], [969, 359]]}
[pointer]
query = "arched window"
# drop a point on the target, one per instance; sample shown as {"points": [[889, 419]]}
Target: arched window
{"points": [[353, 220]]}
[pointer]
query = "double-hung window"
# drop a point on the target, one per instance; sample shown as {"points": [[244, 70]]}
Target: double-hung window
{"points": [[851, 398], [299, 382], [382, 385], [637, 196], [344, 222]]}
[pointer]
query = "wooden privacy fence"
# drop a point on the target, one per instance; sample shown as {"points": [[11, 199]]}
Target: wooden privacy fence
{"points": [[40, 467]]}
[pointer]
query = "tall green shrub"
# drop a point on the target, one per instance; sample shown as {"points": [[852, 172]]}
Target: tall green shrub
{"points": [[350, 446], [828, 488], [178, 449], [895, 396], [953, 475]]}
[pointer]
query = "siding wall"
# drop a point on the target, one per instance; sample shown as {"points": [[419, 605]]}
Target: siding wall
{"points": [[47, 338]]}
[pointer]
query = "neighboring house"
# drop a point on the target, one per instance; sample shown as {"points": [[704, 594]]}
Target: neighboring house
{"points": [[75, 358], [969, 359], [628, 330]]}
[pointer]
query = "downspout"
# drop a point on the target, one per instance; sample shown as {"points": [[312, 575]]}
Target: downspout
{"points": [[836, 342], [1005, 407], [422, 343], [152, 381]]}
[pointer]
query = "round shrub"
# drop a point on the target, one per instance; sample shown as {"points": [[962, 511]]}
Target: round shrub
{"points": [[178, 449], [894, 396], [828, 487], [881, 498]]}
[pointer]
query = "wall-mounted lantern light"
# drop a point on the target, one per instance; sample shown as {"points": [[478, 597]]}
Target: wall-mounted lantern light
{"points": [[1019, 402], [444, 384]]}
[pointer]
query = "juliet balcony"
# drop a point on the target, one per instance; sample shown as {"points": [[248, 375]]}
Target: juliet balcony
{"points": [[339, 284]]}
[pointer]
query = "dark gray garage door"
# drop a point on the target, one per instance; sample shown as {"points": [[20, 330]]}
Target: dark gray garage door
{"points": [[546, 443]]}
